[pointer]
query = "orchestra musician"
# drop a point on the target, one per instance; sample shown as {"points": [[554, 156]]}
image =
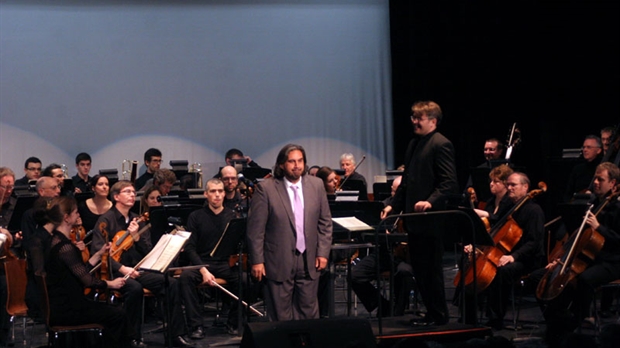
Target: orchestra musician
{"points": [[81, 180], [581, 175], [496, 207], [67, 275], [348, 164], [152, 161], [92, 208], [32, 171], [429, 177], [493, 151], [365, 271], [604, 268], [119, 219], [233, 199], [4, 316], [207, 226], [525, 256]]}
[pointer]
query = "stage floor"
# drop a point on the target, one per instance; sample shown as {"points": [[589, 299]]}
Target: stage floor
{"points": [[389, 332]]}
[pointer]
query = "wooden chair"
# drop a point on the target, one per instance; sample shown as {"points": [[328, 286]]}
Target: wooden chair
{"points": [[16, 280], [56, 330]]}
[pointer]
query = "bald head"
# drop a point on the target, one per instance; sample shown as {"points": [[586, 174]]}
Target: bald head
{"points": [[47, 186], [228, 175]]}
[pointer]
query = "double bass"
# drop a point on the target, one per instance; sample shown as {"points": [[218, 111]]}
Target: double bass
{"points": [[505, 234], [574, 257]]}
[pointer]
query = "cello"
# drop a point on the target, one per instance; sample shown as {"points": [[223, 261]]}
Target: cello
{"points": [[505, 234], [574, 257]]}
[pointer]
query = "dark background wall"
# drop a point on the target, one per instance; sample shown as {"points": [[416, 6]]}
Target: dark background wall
{"points": [[549, 66]]}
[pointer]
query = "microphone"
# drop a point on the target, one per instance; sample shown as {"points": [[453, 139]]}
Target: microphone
{"points": [[245, 180]]}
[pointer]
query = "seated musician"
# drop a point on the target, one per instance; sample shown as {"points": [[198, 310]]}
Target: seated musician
{"points": [[348, 164], [4, 316], [365, 272], [524, 257], [207, 225], [68, 275], [233, 199], [602, 270], [496, 207], [120, 219]]}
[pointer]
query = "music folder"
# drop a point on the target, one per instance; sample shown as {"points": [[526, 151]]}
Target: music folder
{"points": [[229, 241], [352, 223], [23, 203]]}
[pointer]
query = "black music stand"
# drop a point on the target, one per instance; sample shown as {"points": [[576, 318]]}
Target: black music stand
{"points": [[230, 243], [466, 228], [168, 331], [23, 203], [163, 216]]}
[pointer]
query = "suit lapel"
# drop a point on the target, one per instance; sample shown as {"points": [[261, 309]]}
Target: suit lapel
{"points": [[286, 201]]}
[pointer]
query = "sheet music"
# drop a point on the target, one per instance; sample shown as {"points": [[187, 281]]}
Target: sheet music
{"points": [[165, 251], [352, 223]]}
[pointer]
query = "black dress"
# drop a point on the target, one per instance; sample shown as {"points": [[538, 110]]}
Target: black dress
{"points": [[67, 277]]}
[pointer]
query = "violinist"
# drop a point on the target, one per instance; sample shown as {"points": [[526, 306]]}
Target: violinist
{"points": [[150, 199], [330, 179], [67, 276], [603, 269], [119, 219], [525, 256], [348, 164]]}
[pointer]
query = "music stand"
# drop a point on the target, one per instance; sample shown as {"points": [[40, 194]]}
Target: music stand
{"points": [[230, 243], [255, 173], [23, 203], [472, 232], [355, 185], [162, 216]]}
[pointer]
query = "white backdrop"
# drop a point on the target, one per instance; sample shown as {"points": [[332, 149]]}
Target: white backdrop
{"points": [[195, 78]]}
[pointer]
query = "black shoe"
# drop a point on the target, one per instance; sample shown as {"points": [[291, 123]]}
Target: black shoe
{"points": [[138, 344], [232, 330], [181, 341], [422, 322], [495, 324], [198, 333]]}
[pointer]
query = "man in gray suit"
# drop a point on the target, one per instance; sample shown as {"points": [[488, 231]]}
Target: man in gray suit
{"points": [[289, 237]]}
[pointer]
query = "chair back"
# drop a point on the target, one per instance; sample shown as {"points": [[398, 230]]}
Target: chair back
{"points": [[39, 278], [16, 281]]}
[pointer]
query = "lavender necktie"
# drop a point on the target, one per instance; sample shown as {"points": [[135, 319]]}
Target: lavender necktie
{"points": [[299, 221]]}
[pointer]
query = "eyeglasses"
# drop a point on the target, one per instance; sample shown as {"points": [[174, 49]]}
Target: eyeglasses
{"points": [[589, 147], [7, 187], [52, 187], [129, 191], [418, 118], [512, 184], [34, 169]]}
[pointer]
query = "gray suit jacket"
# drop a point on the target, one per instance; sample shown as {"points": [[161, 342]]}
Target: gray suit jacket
{"points": [[271, 235]]}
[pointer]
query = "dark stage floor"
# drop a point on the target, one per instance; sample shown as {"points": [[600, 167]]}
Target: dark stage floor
{"points": [[343, 330]]}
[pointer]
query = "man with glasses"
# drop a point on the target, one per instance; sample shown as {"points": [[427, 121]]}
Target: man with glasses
{"points": [[32, 171], [7, 200], [581, 175], [233, 199], [429, 177], [526, 256], [120, 218], [152, 161]]}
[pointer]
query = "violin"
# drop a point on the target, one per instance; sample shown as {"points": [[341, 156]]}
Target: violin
{"points": [[506, 234], [123, 240], [574, 257], [78, 234], [104, 269], [473, 199]]}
